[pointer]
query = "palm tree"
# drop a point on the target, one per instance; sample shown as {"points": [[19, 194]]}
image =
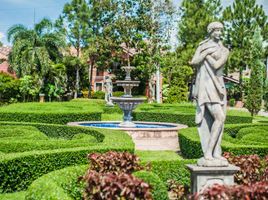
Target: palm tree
{"points": [[34, 50]]}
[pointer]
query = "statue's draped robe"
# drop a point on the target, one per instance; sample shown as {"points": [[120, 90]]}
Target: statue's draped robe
{"points": [[209, 88]]}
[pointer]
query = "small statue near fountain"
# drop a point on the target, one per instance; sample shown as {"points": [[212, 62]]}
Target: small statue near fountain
{"points": [[108, 87]]}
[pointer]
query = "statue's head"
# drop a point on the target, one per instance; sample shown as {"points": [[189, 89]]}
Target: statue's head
{"points": [[215, 30]]}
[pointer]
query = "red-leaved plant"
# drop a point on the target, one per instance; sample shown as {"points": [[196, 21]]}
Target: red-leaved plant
{"points": [[256, 191], [252, 168], [111, 186], [114, 162]]}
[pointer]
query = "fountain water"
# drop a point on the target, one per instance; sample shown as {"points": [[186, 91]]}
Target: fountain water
{"points": [[127, 103]]}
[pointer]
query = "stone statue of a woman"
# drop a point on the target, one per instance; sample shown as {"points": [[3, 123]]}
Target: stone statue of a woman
{"points": [[210, 94]]}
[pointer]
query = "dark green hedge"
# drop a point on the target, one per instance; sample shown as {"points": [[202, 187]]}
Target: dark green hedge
{"points": [[159, 189], [63, 185], [50, 118], [183, 113], [190, 145], [58, 185], [18, 170]]}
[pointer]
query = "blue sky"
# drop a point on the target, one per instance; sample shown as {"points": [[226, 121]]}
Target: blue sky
{"points": [[27, 11]]}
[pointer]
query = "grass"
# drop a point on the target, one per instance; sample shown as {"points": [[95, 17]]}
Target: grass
{"points": [[148, 156], [55, 107]]}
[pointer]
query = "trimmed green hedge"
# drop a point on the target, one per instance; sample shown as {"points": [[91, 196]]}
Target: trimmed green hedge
{"points": [[27, 138], [159, 189], [63, 185], [52, 113], [59, 185], [190, 145], [181, 113], [172, 170], [18, 170]]}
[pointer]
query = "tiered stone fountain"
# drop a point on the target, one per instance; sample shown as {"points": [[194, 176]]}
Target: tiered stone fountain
{"points": [[127, 103], [145, 135]]}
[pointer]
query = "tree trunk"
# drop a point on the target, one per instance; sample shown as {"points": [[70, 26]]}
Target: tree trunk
{"points": [[241, 83], [90, 72], [76, 84]]}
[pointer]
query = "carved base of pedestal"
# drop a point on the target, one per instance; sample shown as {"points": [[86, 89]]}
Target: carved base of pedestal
{"points": [[109, 104], [203, 177]]}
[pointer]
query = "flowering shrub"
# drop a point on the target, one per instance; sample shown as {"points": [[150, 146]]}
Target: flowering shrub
{"points": [[114, 162]]}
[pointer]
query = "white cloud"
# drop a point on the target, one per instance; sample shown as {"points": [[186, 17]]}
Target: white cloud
{"points": [[2, 35]]}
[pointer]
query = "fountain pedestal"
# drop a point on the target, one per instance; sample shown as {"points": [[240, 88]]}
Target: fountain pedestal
{"points": [[126, 102]]}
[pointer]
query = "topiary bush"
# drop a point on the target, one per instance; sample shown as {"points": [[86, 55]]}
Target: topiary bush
{"points": [[190, 145], [183, 113], [52, 113], [19, 170]]}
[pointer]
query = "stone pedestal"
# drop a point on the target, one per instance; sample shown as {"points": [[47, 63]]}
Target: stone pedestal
{"points": [[41, 98], [203, 177]]}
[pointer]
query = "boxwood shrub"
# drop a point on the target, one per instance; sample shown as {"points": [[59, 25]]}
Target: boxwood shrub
{"points": [[18, 170], [190, 145], [181, 113], [52, 113], [172, 170], [159, 189], [63, 185]]}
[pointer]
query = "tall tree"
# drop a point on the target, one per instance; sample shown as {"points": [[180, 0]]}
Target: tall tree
{"points": [[1, 44], [34, 49], [241, 20], [256, 83], [74, 22], [195, 15]]}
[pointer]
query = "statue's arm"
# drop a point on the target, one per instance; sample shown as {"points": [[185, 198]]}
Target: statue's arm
{"points": [[220, 62], [198, 58]]}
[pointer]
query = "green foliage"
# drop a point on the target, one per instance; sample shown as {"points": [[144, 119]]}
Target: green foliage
{"points": [[26, 138], [28, 87], [12, 196], [62, 184], [183, 113], [159, 189], [241, 20], [255, 93], [148, 156], [191, 147], [232, 102], [172, 170], [177, 77], [98, 95], [9, 88], [74, 24], [18, 170], [34, 50], [53, 113]]}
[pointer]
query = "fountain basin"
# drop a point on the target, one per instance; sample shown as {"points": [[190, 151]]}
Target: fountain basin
{"points": [[146, 135]]}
